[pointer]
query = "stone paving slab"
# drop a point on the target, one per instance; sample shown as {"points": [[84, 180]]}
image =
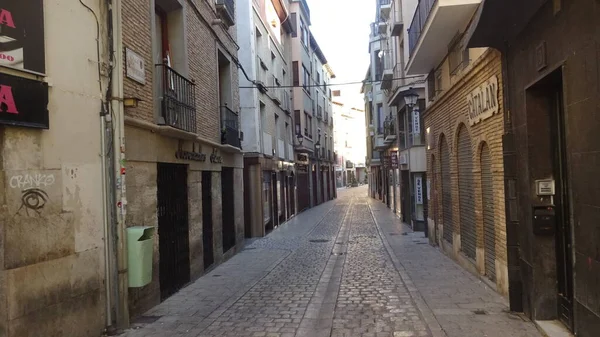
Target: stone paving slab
{"points": [[451, 293]]}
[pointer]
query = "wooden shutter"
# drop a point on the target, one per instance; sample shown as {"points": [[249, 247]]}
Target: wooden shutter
{"points": [[296, 75]]}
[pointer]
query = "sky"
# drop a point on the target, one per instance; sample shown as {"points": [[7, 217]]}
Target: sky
{"points": [[341, 27]]}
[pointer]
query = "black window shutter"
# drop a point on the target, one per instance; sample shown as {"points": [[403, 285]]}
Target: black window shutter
{"points": [[296, 74], [294, 23]]}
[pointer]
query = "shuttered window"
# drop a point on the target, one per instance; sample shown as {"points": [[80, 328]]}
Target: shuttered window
{"points": [[468, 230], [296, 74]]}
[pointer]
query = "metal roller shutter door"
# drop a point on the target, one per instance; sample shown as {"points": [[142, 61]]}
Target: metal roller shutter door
{"points": [[487, 195], [468, 231], [446, 192]]}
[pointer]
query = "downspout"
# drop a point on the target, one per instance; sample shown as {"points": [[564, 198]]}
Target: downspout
{"points": [[119, 204]]}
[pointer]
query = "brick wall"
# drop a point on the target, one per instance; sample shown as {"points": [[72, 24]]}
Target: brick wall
{"points": [[203, 41], [444, 117]]}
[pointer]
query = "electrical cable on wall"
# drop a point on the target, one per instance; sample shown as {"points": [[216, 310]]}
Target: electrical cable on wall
{"points": [[325, 85]]}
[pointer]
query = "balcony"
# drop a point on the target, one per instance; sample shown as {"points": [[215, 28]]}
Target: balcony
{"points": [[385, 7], [226, 10], [434, 25], [397, 21], [382, 27], [230, 127], [389, 133], [388, 70], [178, 99], [380, 143]]}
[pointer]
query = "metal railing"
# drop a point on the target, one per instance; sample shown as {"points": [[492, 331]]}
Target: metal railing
{"points": [[389, 127], [230, 127], [178, 99], [416, 27], [229, 5]]}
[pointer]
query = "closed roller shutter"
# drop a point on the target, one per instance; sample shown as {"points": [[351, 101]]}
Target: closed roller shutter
{"points": [[446, 192], [487, 195], [468, 235]]}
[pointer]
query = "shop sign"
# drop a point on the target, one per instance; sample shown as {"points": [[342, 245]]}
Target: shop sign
{"points": [[136, 69], [302, 168], [23, 102], [416, 121], [215, 158], [302, 158], [483, 101], [188, 155], [22, 35], [386, 161], [419, 190]]}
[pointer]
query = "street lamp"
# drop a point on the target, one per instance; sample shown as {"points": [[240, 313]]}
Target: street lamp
{"points": [[411, 98], [300, 139]]}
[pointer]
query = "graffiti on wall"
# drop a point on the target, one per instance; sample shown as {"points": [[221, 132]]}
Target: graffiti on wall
{"points": [[33, 197]]}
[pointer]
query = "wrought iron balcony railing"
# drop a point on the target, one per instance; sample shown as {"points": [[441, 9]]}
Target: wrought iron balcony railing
{"points": [[226, 10], [416, 27], [178, 100], [389, 128], [230, 127]]}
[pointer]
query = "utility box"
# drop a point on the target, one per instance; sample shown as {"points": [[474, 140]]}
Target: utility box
{"points": [[140, 248]]}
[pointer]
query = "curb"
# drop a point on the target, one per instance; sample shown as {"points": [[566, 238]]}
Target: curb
{"points": [[427, 314]]}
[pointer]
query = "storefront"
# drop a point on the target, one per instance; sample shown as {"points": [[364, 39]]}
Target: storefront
{"points": [[464, 176], [552, 161]]}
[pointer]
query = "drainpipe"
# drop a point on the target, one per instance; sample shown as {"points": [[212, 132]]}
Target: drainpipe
{"points": [[116, 164]]}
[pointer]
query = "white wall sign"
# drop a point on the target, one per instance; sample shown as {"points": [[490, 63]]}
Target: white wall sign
{"points": [[136, 69], [419, 190], [483, 101], [416, 121]]}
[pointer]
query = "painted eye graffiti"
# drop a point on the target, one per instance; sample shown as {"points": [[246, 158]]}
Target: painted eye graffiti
{"points": [[33, 199]]}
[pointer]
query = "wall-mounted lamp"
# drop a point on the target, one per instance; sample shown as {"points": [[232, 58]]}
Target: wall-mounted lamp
{"points": [[131, 102]]}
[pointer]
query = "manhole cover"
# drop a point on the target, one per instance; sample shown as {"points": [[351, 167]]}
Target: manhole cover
{"points": [[339, 243], [479, 312], [421, 243], [147, 319], [393, 234], [319, 240], [337, 254], [216, 276]]}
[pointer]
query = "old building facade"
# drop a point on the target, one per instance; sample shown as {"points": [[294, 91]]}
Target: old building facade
{"points": [[313, 121], [264, 31], [53, 268], [550, 58], [463, 124], [181, 141], [394, 101]]}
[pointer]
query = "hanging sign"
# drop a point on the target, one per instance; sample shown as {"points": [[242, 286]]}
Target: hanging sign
{"points": [[419, 190], [416, 121], [22, 35], [394, 158]]}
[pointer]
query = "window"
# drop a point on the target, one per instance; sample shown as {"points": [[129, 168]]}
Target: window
{"points": [[266, 197], [303, 33], [295, 75], [379, 118], [307, 124], [297, 121], [306, 80], [318, 77]]}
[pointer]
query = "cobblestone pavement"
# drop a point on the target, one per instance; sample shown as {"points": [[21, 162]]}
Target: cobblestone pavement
{"points": [[328, 272]]}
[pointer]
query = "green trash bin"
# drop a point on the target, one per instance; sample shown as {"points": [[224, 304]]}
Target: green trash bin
{"points": [[140, 244]]}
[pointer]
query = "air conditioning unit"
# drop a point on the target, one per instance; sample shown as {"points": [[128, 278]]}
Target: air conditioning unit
{"points": [[403, 160]]}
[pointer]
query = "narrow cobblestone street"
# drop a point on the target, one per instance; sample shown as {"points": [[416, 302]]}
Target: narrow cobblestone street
{"points": [[341, 269]]}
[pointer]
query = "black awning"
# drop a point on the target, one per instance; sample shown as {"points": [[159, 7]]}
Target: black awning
{"points": [[500, 21]]}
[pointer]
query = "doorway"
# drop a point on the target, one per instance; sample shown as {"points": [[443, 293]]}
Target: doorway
{"points": [[405, 196], [207, 219], [563, 231], [173, 228], [545, 111], [228, 208]]}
